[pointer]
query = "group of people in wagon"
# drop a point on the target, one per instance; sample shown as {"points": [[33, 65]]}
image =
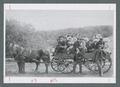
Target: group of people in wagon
{"points": [[78, 43]]}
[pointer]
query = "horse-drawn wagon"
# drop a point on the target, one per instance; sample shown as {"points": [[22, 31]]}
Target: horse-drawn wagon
{"points": [[97, 61]]}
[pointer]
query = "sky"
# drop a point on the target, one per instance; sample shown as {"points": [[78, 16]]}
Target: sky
{"points": [[61, 19]]}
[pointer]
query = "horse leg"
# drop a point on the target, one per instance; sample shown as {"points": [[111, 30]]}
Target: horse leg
{"points": [[19, 70], [23, 67], [80, 66], [37, 64], [46, 65]]}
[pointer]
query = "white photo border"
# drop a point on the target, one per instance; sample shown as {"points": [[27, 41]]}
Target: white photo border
{"points": [[12, 79]]}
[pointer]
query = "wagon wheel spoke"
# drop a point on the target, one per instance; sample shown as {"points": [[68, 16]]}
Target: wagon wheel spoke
{"points": [[93, 67], [68, 66], [68, 69], [61, 68], [106, 64], [55, 64]]}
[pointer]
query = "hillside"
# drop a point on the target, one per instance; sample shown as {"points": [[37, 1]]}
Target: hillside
{"points": [[26, 35]]}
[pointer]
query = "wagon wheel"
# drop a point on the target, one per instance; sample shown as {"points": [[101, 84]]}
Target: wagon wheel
{"points": [[106, 64], [57, 64], [106, 61], [92, 66], [54, 64], [68, 66]]}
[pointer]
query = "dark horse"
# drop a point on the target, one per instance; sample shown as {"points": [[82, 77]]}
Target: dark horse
{"points": [[31, 56], [36, 56]]}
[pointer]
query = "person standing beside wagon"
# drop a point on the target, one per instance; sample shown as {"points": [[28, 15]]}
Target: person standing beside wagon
{"points": [[18, 56], [99, 46], [77, 57]]}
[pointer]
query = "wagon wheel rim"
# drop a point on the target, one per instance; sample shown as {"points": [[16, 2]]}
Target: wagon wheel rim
{"points": [[57, 64], [61, 67], [107, 65], [92, 66], [106, 59], [54, 64], [68, 66]]}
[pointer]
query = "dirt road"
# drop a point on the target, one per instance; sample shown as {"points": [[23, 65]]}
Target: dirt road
{"points": [[12, 70]]}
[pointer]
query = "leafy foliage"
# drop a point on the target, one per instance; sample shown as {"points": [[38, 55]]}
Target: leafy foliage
{"points": [[26, 35]]}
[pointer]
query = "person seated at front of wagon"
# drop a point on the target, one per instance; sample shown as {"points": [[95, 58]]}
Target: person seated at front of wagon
{"points": [[61, 46]]}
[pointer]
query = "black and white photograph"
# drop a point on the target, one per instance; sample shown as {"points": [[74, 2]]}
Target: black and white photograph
{"points": [[59, 43]]}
